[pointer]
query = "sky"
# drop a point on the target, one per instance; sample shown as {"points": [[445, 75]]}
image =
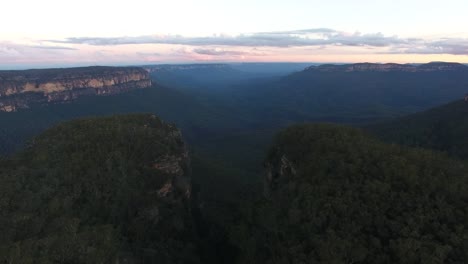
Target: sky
{"points": [[55, 33]]}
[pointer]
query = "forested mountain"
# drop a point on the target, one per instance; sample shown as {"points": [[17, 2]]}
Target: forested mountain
{"points": [[101, 190], [336, 195], [197, 76], [218, 76], [333, 194], [224, 102], [349, 93], [355, 92], [171, 104], [444, 128]]}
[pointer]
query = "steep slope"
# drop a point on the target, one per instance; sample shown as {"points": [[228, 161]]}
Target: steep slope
{"points": [[336, 195], [99, 191], [444, 128], [20, 89]]}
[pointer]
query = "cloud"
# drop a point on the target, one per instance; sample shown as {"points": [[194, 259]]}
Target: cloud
{"points": [[51, 47], [294, 38], [15, 53], [445, 46], [276, 45], [453, 46], [223, 52], [14, 50], [8, 51], [149, 53], [314, 37]]}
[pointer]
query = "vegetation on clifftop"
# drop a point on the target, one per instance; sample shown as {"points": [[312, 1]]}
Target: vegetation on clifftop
{"points": [[92, 191], [337, 195]]}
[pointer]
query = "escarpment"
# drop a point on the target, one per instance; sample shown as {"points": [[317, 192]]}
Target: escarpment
{"points": [[391, 67], [21, 89]]}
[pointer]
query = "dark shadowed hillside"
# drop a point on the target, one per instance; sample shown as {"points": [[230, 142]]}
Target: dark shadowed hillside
{"points": [[444, 128], [336, 195], [101, 190]]}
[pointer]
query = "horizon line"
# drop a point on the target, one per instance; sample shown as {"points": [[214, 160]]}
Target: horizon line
{"points": [[83, 65]]}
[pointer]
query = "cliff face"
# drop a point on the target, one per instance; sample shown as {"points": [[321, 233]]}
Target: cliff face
{"points": [[19, 89], [389, 67]]}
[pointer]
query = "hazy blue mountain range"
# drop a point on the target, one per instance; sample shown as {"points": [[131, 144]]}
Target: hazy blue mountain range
{"points": [[326, 193]]}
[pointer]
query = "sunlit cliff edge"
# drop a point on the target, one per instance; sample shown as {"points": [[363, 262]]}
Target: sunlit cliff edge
{"points": [[20, 89]]}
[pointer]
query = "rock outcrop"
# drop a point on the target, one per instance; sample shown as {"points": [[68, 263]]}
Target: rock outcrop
{"points": [[277, 170], [20, 89]]}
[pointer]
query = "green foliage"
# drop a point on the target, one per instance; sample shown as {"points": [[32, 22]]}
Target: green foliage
{"points": [[443, 128], [86, 191], [339, 196], [72, 197]]}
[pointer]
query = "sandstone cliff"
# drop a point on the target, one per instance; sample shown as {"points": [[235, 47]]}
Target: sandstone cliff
{"points": [[390, 67], [19, 89]]}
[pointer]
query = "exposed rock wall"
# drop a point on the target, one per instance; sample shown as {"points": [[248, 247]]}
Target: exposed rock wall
{"points": [[19, 89], [390, 67]]}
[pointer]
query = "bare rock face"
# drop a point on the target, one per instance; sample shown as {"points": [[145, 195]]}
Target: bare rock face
{"points": [[174, 165], [19, 89], [278, 170]]}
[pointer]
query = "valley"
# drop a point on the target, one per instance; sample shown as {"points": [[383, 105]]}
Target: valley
{"points": [[255, 174]]}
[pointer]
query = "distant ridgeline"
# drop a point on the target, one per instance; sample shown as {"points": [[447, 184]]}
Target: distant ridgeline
{"points": [[388, 67], [367, 90], [20, 89], [182, 67]]}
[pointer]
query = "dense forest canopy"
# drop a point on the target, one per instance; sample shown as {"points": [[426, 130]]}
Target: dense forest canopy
{"points": [[99, 190], [336, 195], [96, 190], [443, 128]]}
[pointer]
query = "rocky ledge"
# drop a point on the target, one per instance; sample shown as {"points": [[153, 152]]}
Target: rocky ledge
{"points": [[20, 89]]}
